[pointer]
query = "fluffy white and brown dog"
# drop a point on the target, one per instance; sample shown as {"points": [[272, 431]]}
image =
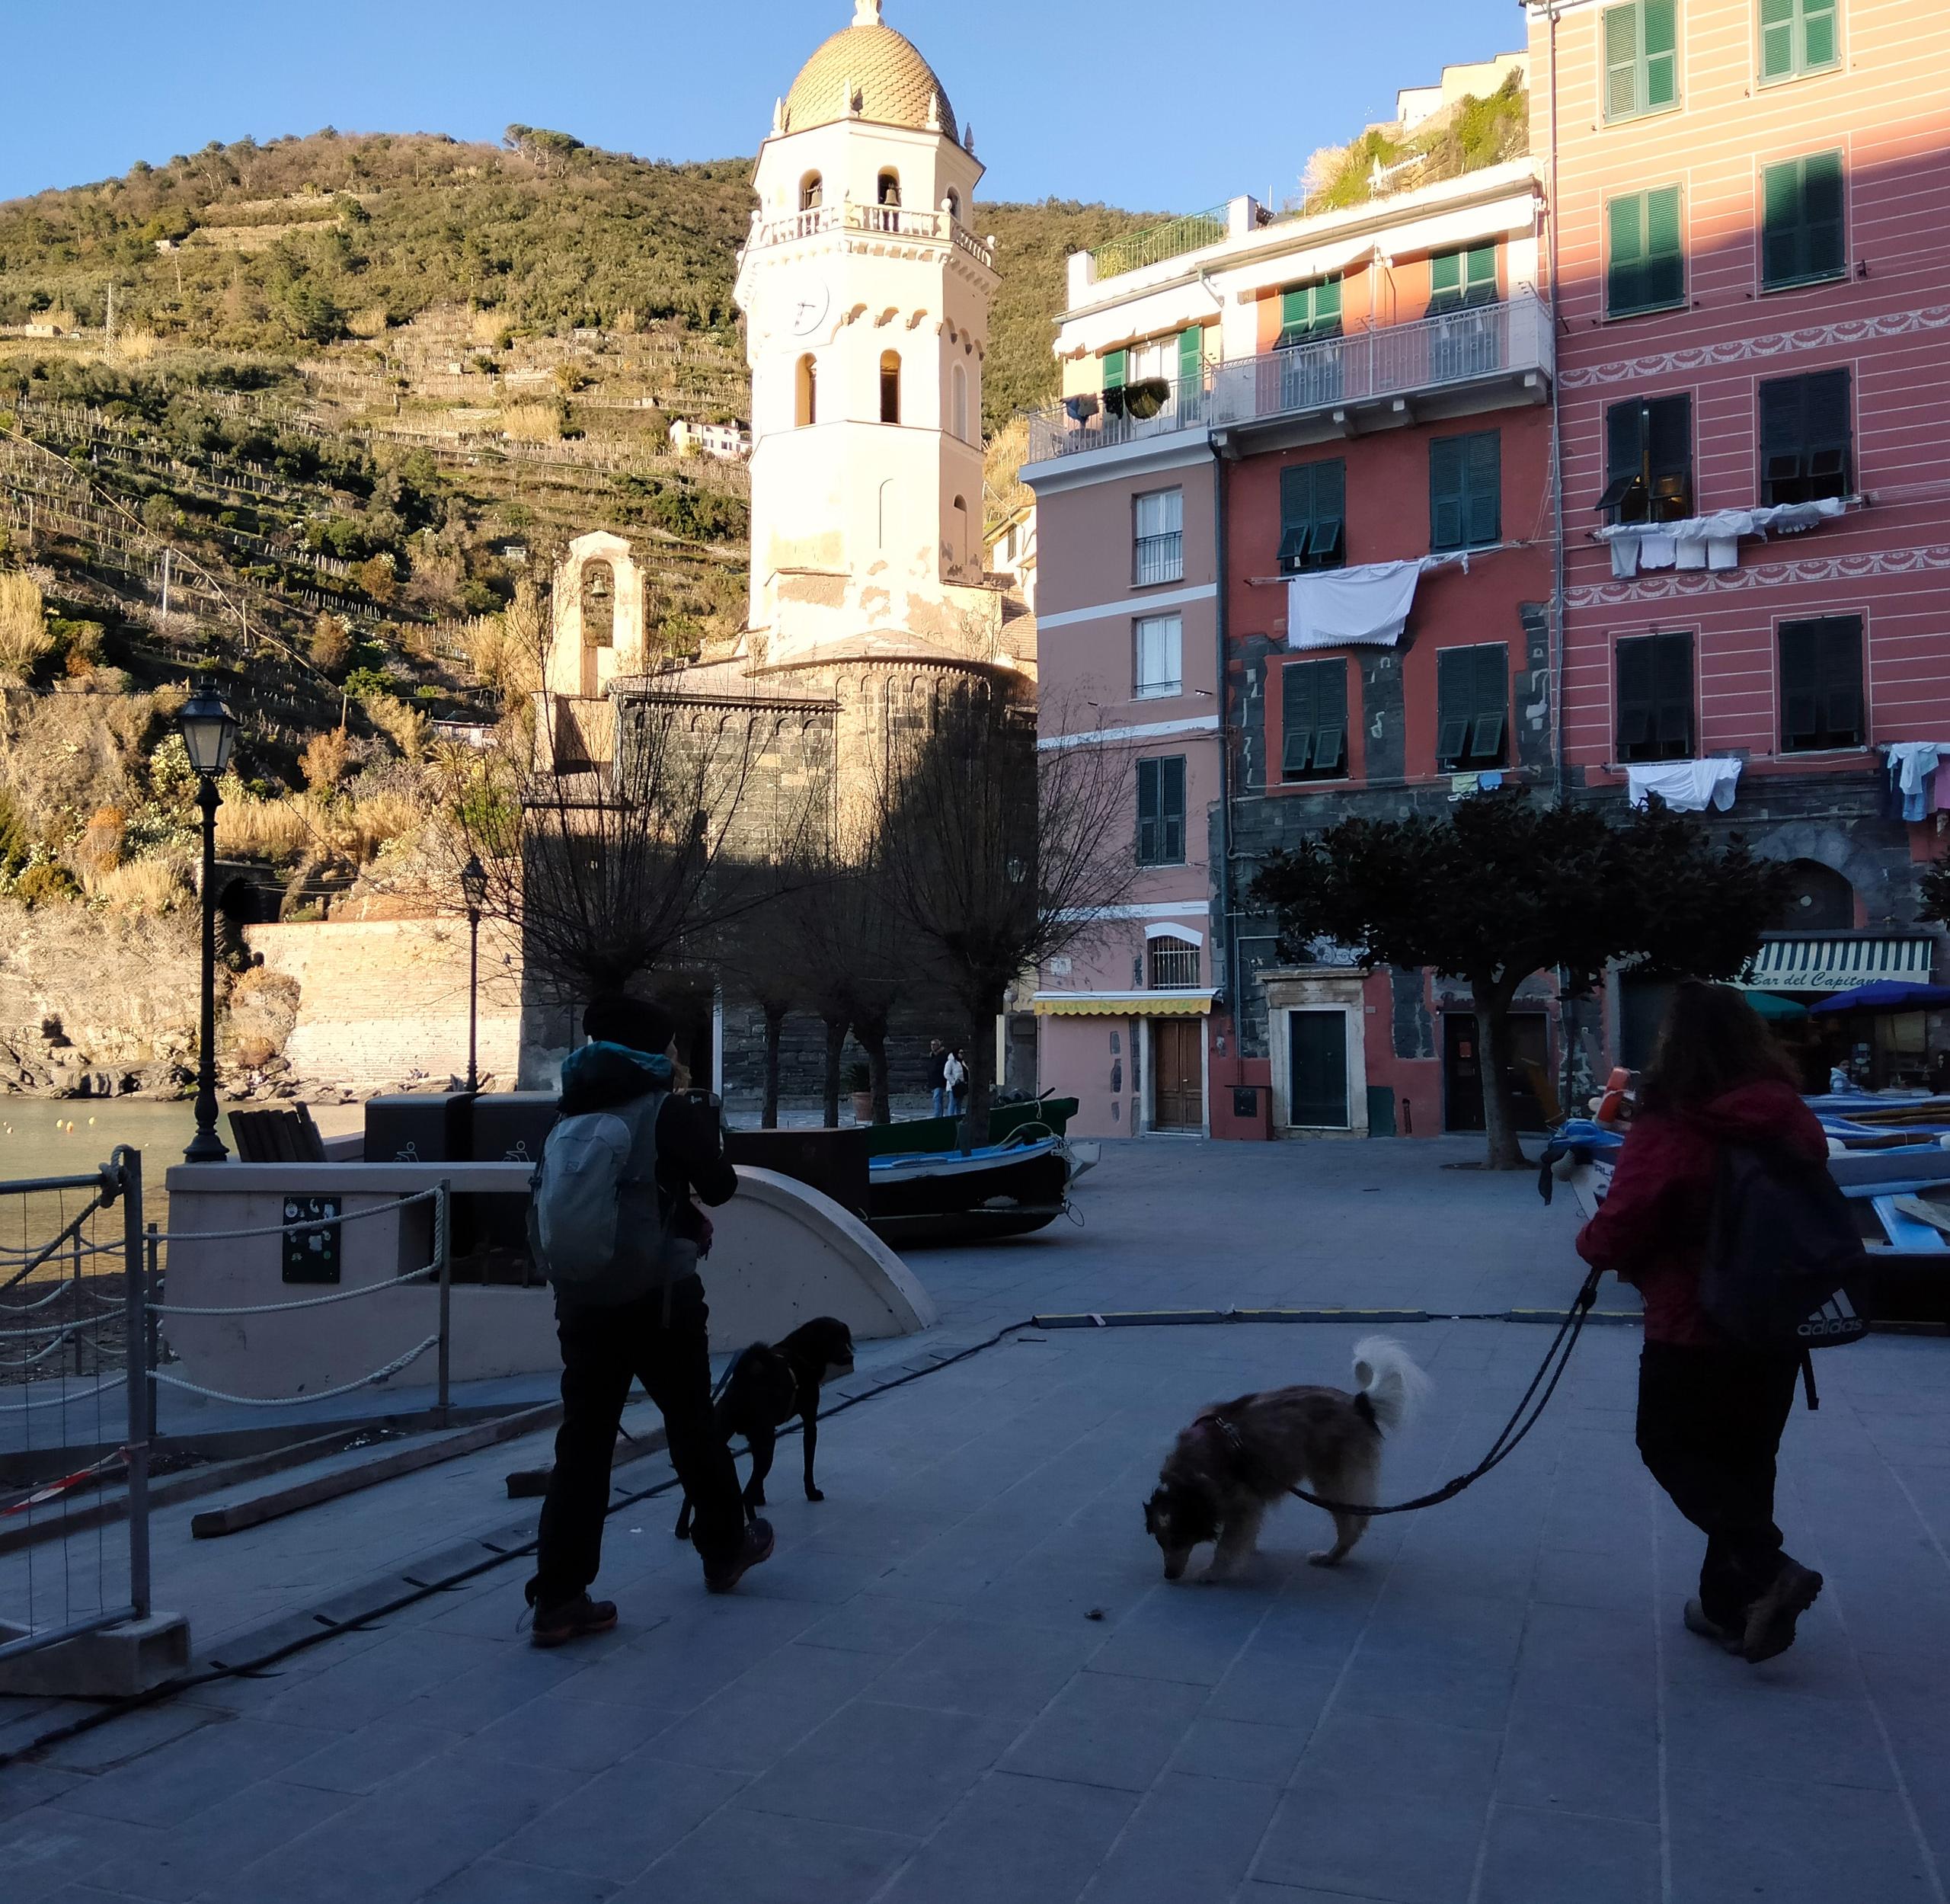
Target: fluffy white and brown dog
{"points": [[1239, 1458]]}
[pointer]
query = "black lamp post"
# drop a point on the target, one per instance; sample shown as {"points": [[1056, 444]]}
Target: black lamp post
{"points": [[473, 890], [209, 731]]}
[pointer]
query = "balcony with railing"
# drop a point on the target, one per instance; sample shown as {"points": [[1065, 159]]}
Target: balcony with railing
{"points": [[1376, 371], [1157, 558], [881, 221]]}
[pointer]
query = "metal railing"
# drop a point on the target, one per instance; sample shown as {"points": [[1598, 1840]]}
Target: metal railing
{"points": [[1174, 965], [884, 221], [1156, 243], [1159, 558], [1509, 339]]}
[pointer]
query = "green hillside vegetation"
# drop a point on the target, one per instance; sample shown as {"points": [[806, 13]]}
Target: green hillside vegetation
{"points": [[1471, 134]]}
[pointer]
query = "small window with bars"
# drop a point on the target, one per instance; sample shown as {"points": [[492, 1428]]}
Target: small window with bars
{"points": [[1472, 706], [1159, 641], [1465, 490], [1160, 811], [1798, 37], [1641, 58], [1655, 697], [1645, 264], [1174, 964], [1313, 721], [1821, 696], [1649, 459], [1803, 238], [1806, 443], [1460, 279], [1308, 313], [1158, 553], [1313, 516]]}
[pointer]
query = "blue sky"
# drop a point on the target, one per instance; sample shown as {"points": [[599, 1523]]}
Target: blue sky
{"points": [[1146, 104]]}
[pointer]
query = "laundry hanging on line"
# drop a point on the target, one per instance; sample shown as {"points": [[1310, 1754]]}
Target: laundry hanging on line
{"points": [[1708, 542], [1364, 607], [1686, 786]]}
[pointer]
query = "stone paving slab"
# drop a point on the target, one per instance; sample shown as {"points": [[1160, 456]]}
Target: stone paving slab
{"points": [[1492, 1702]]}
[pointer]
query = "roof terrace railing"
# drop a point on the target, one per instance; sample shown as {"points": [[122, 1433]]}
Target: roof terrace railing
{"points": [[886, 220], [1154, 243], [1510, 338]]}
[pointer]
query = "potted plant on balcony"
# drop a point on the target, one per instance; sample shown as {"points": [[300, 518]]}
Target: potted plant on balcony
{"points": [[860, 1082]]}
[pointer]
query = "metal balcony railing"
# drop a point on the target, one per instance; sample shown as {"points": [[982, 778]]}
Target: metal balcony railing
{"points": [[885, 221], [1509, 339], [1174, 965], [1159, 558], [1156, 243]]}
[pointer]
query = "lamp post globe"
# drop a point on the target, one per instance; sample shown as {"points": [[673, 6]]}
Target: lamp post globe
{"points": [[474, 890], [209, 732]]}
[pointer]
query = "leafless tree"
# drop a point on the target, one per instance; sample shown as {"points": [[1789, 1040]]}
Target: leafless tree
{"points": [[997, 854]]}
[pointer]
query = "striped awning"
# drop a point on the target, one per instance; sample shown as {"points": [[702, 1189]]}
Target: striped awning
{"points": [[1122, 1004], [1837, 964]]}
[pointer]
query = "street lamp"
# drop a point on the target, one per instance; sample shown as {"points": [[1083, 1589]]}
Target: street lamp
{"points": [[473, 890], [209, 732]]}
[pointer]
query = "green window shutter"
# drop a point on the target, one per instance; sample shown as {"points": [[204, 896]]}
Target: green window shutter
{"points": [[1191, 357], [1455, 705], [1660, 27], [1637, 714], [1327, 540], [1448, 476], [1841, 682], [1622, 96], [1673, 686], [1491, 705], [1626, 269], [1114, 369], [1296, 512], [1777, 39], [1171, 808], [1783, 238], [1330, 742], [1800, 697], [1446, 274], [1830, 443], [1481, 268], [1299, 715], [1663, 282], [1820, 46], [1148, 812], [1624, 440], [1822, 221], [1484, 478], [1327, 308]]}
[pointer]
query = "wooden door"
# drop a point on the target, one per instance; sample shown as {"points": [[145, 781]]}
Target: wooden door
{"points": [[1317, 1094], [1178, 1089]]}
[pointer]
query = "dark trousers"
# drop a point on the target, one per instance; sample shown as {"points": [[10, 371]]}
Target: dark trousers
{"points": [[1709, 1427], [601, 1350]]}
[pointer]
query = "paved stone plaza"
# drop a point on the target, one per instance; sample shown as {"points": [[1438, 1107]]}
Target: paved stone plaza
{"points": [[963, 1679]]}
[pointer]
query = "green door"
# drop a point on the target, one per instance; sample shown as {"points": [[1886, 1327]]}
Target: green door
{"points": [[1317, 1096]]}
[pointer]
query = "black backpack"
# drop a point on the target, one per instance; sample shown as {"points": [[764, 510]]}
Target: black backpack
{"points": [[1782, 1248]]}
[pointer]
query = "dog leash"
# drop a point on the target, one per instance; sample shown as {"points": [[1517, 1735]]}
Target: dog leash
{"points": [[1505, 1444]]}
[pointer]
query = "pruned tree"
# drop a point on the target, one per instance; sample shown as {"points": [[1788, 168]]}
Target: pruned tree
{"points": [[1506, 889], [998, 855]]}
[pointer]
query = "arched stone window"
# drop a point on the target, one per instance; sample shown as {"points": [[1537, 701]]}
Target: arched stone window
{"points": [[599, 621], [889, 188], [885, 522], [961, 407], [890, 386], [953, 205], [1820, 900], [807, 408], [812, 192], [959, 549]]}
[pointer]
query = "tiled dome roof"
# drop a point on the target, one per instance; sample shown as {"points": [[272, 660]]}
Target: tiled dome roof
{"points": [[896, 86]]}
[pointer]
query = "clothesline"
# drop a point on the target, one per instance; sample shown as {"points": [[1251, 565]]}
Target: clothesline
{"points": [[1465, 556]]}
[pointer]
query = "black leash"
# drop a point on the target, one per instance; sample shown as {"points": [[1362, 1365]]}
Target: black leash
{"points": [[1565, 1339]]}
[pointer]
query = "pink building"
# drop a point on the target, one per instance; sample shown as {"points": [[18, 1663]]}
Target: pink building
{"points": [[1750, 240]]}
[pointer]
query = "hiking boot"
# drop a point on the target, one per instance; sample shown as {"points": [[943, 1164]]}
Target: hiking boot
{"points": [[1770, 1621], [756, 1547], [1698, 1621], [576, 1619]]}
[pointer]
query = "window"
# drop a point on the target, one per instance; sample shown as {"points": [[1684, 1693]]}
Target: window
{"points": [[1309, 312], [812, 193], [1191, 359], [1649, 459], [1821, 684], [1465, 490], [1313, 516], [1801, 239], [1641, 58], [959, 555], [890, 386], [1160, 811], [1159, 640], [1472, 704], [1647, 271], [1806, 450], [1655, 697], [1158, 553], [807, 393], [953, 204], [1798, 36], [962, 402], [1460, 278], [887, 188], [1313, 721], [1174, 963]]}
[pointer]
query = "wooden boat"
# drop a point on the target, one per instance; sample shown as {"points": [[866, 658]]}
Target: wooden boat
{"points": [[968, 1196]]}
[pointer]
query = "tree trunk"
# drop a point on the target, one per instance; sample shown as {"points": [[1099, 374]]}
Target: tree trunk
{"points": [[774, 1027], [873, 1041], [1492, 1003], [836, 1042], [981, 1072]]}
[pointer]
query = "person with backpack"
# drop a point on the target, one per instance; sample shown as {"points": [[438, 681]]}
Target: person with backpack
{"points": [[616, 1231], [954, 1075], [1719, 1114]]}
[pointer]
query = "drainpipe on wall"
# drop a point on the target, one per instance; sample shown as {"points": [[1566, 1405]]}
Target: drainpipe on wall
{"points": [[1559, 777], [1228, 917]]}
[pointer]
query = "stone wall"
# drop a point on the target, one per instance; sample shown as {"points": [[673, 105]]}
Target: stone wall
{"points": [[383, 1005]]}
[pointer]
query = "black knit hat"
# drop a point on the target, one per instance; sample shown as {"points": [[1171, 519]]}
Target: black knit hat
{"points": [[640, 1023]]}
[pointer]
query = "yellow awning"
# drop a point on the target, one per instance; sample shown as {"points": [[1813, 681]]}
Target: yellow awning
{"points": [[1122, 1004]]}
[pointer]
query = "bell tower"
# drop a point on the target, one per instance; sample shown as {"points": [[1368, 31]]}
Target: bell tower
{"points": [[866, 296]]}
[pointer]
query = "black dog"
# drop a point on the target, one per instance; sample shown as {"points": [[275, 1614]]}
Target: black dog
{"points": [[767, 1387]]}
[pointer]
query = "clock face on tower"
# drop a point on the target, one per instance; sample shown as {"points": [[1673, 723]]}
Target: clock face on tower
{"points": [[806, 301]]}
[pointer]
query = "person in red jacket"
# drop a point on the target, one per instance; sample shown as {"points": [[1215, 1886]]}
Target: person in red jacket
{"points": [[1710, 1411]]}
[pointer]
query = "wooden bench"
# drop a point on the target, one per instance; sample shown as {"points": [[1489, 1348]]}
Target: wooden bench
{"points": [[277, 1136]]}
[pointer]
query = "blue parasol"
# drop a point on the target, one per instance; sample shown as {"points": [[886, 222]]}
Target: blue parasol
{"points": [[1887, 995]]}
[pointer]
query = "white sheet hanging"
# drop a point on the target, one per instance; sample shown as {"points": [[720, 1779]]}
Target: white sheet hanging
{"points": [[1686, 786], [1337, 607], [1637, 545]]}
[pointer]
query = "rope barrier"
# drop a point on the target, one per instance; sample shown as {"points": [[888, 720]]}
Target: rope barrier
{"points": [[295, 1229], [60, 1289], [302, 1302], [300, 1401], [63, 1401]]}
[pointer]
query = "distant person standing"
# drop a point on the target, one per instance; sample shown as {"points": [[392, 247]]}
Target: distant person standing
{"points": [[620, 1238], [938, 1076], [955, 1075]]}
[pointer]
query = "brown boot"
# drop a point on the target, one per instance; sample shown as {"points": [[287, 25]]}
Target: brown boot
{"points": [[1770, 1621]]}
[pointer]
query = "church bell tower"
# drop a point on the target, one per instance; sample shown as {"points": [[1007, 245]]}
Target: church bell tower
{"points": [[866, 296]]}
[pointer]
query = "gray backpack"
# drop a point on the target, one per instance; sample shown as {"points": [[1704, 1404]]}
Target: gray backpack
{"points": [[596, 1223]]}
